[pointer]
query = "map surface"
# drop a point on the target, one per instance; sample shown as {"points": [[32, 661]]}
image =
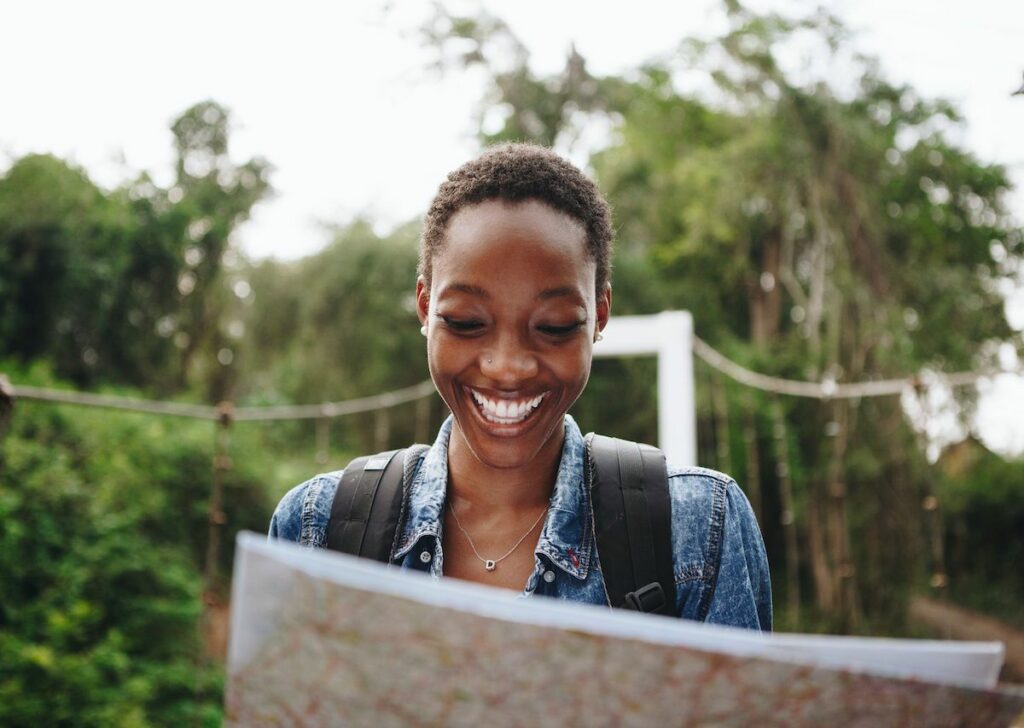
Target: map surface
{"points": [[321, 639]]}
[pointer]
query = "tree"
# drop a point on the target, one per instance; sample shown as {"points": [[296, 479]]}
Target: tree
{"points": [[213, 196], [104, 527], [820, 234], [107, 285], [337, 325], [85, 277], [547, 110]]}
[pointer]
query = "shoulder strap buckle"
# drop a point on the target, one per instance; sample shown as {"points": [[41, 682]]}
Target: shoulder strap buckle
{"points": [[649, 598]]}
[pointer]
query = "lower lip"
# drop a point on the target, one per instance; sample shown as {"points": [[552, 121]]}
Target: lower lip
{"points": [[506, 430]]}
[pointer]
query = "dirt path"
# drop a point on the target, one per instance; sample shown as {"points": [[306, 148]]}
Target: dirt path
{"points": [[962, 624]]}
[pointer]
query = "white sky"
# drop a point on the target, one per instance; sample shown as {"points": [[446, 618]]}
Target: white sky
{"points": [[335, 95]]}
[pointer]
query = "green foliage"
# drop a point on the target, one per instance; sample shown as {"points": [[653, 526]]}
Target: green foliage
{"points": [[839, 237], [214, 195], [123, 287], [542, 109], [78, 280], [984, 508], [104, 530], [337, 325], [816, 233]]}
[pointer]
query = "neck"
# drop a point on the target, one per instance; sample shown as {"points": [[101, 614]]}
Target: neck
{"points": [[475, 484]]}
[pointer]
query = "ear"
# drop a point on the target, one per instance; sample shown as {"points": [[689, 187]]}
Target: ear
{"points": [[604, 307], [422, 299]]}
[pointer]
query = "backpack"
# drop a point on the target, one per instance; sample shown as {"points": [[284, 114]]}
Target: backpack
{"points": [[628, 485]]}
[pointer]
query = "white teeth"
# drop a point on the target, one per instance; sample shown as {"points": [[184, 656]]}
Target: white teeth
{"points": [[503, 411]]}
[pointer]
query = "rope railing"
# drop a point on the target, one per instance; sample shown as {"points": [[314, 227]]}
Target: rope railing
{"points": [[225, 413], [206, 412], [337, 409], [109, 401], [824, 390], [829, 388]]}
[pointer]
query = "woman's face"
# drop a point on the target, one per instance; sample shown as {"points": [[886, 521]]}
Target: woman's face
{"points": [[511, 315]]}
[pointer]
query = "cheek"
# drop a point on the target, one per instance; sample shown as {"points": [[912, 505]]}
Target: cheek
{"points": [[436, 358], [445, 362], [573, 368], [440, 373]]}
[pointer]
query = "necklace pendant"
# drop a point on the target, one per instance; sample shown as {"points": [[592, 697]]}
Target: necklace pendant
{"points": [[490, 565]]}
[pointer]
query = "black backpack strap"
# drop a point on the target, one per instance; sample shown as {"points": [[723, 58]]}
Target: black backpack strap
{"points": [[369, 504], [633, 523]]}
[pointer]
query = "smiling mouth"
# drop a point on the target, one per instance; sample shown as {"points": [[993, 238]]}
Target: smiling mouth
{"points": [[505, 411]]}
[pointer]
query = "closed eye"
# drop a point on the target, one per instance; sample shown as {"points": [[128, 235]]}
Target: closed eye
{"points": [[566, 330], [462, 325]]}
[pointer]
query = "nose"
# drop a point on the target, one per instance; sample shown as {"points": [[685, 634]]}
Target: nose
{"points": [[509, 361]]}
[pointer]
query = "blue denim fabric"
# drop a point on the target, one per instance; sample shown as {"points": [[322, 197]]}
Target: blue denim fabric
{"points": [[721, 569]]}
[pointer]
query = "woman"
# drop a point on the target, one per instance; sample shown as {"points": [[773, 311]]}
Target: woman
{"points": [[513, 291]]}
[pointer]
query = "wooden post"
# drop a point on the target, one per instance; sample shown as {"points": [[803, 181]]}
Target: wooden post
{"points": [[217, 518]]}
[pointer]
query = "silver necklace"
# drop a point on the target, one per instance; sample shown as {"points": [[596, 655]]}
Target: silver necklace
{"points": [[492, 564]]}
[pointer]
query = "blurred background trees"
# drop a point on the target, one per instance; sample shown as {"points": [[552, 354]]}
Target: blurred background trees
{"points": [[88, 277], [819, 228]]}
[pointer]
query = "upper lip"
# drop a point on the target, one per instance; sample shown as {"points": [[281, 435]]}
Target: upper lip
{"points": [[511, 396]]}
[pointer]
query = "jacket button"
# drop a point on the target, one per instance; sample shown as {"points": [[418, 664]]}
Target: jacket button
{"points": [[425, 557], [549, 576]]}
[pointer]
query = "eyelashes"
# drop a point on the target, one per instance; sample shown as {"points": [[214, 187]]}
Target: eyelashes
{"points": [[461, 325], [471, 326], [562, 330]]}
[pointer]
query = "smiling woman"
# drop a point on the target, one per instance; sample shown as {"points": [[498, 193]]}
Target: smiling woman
{"points": [[513, 290], [509, 336]]}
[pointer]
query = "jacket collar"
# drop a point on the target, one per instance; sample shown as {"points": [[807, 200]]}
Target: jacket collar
{"points": [[566, 539]]}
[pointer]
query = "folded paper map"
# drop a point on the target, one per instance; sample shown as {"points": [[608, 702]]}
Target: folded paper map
{"points": [[321, 639]]}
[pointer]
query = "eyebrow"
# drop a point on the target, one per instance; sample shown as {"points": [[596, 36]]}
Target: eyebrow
{"points": [[559, 292], [467, 288]]}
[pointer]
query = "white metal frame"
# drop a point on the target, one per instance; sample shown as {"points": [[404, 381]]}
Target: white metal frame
{"points": [[669, 336]]}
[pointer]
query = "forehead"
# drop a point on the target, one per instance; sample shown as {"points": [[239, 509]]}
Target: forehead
{"points": [[495, 238]]}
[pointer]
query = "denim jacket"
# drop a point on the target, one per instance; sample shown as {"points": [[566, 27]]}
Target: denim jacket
{"points": [[721, 570]]}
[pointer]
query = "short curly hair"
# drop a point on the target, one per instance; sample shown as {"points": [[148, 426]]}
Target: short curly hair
{"points": [[517, 173]]}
